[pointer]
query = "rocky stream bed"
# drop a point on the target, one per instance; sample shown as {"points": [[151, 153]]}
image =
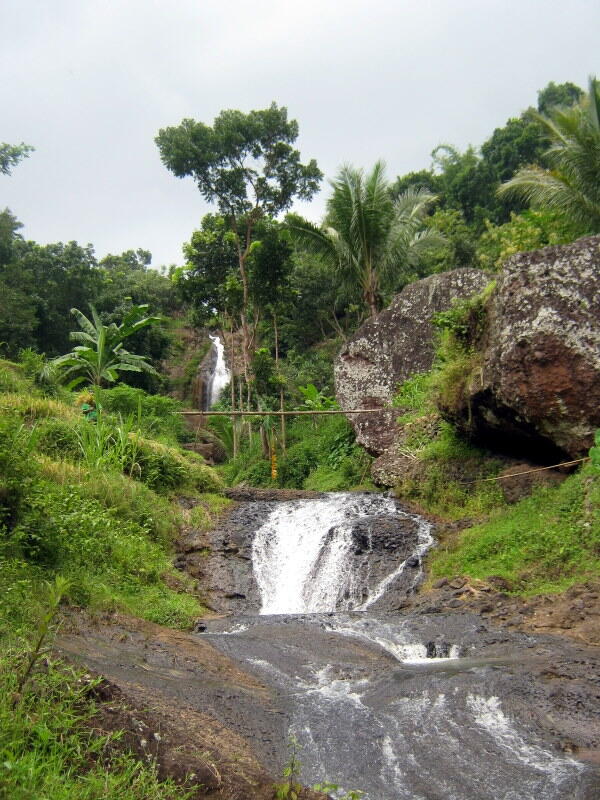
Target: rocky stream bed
{"points": [[458, 694]]}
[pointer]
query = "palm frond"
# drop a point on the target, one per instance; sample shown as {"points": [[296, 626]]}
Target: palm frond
{"points": [[572, 185]]}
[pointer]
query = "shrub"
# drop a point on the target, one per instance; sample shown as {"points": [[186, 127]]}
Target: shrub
{"points": [[110, 561], [16, 467], [13, 378], [154, 414], [323, 444], [165, 468], [58, 438]]}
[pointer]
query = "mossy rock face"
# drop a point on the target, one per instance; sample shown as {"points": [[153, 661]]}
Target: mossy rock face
{"points": [[392, 347], [536, 391]]}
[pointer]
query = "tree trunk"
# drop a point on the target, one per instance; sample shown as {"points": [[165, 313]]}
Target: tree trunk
{"points": [[232, 390]]}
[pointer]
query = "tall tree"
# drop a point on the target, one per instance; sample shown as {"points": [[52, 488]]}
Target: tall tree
{"points": [[572, 184], [11, 154], [247, 165], [561, 94], [370, 238]]}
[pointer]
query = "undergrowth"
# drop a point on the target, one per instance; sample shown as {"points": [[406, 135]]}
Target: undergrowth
{"points": [[544, 543], [88, 506], [90, 501], [444, 471], [321, 455], [48, 752]]}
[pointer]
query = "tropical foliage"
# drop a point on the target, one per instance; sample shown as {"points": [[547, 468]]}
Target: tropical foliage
{"points": [[100, 357], [571, 186], [370, 239]]}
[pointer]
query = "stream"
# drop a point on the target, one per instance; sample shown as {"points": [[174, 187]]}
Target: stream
{"points": [[398, 706]]}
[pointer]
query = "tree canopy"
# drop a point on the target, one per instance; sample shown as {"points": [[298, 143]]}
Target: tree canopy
{"points": [[369, 238], [246, 163], [572, 184]]}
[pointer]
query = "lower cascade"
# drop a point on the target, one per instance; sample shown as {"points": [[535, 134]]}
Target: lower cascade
{"points": [[400, 707], [310, 556]]}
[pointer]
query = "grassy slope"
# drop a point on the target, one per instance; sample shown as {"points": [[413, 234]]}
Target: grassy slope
{"points": [[101, 515], [544, 543]]}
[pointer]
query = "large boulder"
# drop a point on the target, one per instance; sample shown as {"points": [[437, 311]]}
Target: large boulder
{"points": [[391, 347], [538, 389]]}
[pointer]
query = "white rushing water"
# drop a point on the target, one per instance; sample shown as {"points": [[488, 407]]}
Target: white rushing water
{"points": [[221, 375], [402, 707], [302, 555]]}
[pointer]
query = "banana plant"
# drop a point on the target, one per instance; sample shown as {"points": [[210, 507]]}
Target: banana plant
{"points": [[100, 355]]}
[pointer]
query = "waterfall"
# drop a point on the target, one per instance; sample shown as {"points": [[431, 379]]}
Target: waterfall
{"points": [[401, 706], [221, 374], [305, 555]]}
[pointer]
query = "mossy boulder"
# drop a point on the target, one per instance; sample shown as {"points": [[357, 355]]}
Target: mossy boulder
{"points": [[393, 346], [537, 391]]}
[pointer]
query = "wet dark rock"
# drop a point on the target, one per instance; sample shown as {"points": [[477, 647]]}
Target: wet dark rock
{"points": [[252, 494], [388, 533], [221, 559]]}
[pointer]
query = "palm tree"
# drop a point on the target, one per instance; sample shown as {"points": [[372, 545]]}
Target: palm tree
{"points": [[101, 355], [572, 184], [368, 237]]}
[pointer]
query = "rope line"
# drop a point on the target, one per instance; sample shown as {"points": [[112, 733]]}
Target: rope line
{"points": [[283, 413], [527, 471]]}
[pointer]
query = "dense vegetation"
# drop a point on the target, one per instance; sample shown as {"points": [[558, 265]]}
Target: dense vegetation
{"points": [[88, 482], [87, 506]]}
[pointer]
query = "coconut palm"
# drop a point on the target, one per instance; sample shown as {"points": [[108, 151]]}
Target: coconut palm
{"points": [[572, 184], [101, 355], [369, 238]]}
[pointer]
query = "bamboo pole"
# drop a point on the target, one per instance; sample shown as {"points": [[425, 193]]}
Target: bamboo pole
{"points": [[284, 413]]}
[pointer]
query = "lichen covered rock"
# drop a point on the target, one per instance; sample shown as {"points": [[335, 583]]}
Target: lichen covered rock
{"points": [[390, 348], [538, 391]]}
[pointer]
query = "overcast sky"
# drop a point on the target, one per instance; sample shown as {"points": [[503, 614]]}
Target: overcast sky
{"points": [[89, 83]]}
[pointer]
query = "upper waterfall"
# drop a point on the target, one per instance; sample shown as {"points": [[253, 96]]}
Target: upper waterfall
{"points": [[221, 374]]}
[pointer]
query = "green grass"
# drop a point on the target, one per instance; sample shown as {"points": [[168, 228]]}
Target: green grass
{"points": [[545, 543], [445, 476], [47, 752], [91, 504], [209, 508]]}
